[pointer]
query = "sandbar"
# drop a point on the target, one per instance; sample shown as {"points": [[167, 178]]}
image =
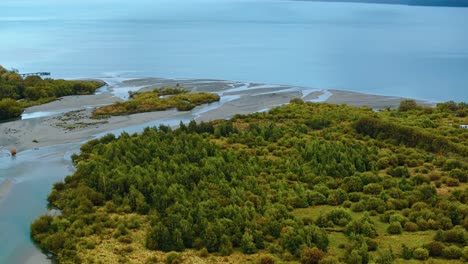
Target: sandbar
{"points": [[70, 120]]}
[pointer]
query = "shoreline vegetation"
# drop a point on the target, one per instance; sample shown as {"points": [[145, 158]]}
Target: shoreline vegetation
{"points": [[18, 93], [159, 99], [303, 182]]}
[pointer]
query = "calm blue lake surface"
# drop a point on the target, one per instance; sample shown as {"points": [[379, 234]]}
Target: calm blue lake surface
{"points": [[419, 52]]}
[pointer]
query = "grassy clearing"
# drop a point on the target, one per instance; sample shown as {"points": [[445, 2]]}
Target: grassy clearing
{"points": [[338, 240]]}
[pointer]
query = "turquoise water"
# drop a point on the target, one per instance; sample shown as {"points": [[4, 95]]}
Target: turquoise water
{"points": [[32, 173], [419, 52]]}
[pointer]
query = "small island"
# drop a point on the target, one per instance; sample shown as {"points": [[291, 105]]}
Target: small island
{"points": [[159, 99]]}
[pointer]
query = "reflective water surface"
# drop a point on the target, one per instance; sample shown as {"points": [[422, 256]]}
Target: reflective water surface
{"points": [[419, 52]]}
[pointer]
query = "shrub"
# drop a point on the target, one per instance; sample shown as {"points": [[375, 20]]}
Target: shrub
{"points": [[311, 255], [355, 196], [411, 227], [56, 241], [296, 100], [373, 188], [90, 245], [451, 164], [338, 215], [152, 260], [407, 105], [406, 252], [125, 239], [398, 218], [435, 248], [456, 235], [247, 244], [316, 198], [363, 226], [434, 176], [357, 207], [452, 252], [267, 260], [421, 254], [465, 253], [451, 182], [371, 244], [287, 256], [203, 253], [459, 175], [226, 246], [385, 257], [197, 243], [173, 258], [394, 228], [347, 204], [400, 171], [41, 225], [130, 249], [9, 108]]}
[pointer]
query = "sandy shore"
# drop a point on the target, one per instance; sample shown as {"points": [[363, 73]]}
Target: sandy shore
{"points": [[70, 121]]}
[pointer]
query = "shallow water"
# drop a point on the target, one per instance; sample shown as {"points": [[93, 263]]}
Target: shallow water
{"points": [[40, 114], [32, 173], [419, 52]]}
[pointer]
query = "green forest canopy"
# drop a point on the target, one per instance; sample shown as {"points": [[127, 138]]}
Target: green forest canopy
{"points": [[17, 92], [304, 182]]}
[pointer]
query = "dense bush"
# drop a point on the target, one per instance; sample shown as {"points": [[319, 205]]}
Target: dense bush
{"points": [[452, 252], [394, 228], [435, 248], [406, 252], [421, 254], [311, 255], [34, 90], [9, 108], [407, 105], [258, 182]]}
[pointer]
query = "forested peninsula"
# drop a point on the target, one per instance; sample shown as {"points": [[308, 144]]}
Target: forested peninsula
{"points": [[17, 93], [302, 183]]}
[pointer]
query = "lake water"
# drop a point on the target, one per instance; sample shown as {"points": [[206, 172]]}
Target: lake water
{"points": [[419, 52]]}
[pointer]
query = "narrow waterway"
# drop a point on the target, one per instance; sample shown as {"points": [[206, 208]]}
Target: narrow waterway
{"points": [[31, 174]]}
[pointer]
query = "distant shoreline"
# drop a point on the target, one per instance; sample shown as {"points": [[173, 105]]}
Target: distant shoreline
{"points": [[435, 3]]}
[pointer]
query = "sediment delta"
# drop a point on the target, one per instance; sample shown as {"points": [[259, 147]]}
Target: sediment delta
{"points": [[67, 120]]}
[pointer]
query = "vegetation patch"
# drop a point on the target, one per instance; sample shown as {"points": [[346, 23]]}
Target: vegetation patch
{"points": [[17, 93], [268, 188], [157, 100]]}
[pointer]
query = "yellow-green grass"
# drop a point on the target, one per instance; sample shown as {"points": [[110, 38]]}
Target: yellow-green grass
{"points": [[153, 101]]}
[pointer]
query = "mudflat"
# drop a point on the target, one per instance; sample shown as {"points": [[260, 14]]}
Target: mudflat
{"points": [[68, 120]]}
